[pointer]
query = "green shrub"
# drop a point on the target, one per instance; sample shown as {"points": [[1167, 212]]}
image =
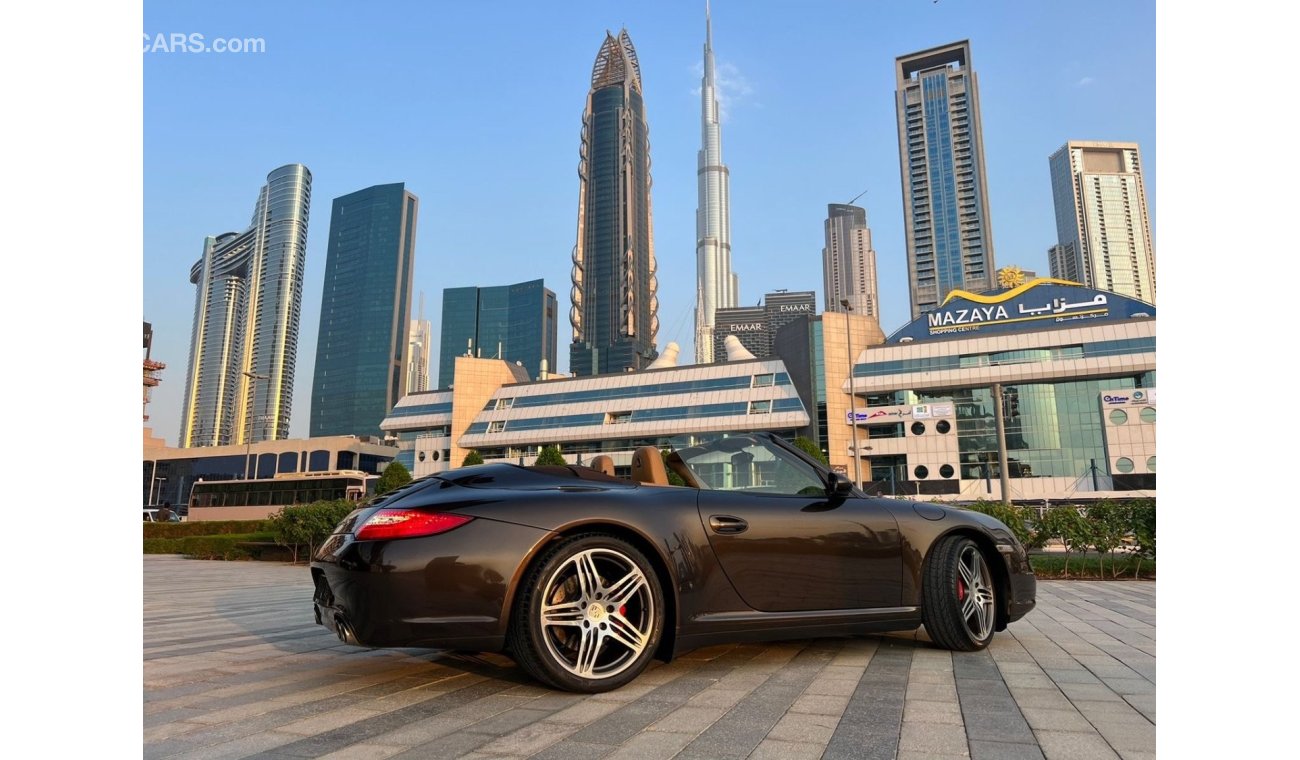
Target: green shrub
{"points": [[550, 456], [1142, 520], [395, 475], [1015, 518], [810, 448], [308, 524], [472, 458], [1108, 527]]}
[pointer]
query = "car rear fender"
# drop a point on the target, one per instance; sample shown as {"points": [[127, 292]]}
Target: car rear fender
{"points": [[652, 551]]}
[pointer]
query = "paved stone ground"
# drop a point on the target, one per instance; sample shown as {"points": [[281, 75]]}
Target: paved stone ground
{"points": [[234, 666]]}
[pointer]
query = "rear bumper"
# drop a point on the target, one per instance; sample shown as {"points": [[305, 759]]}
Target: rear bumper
{"points": [[449, 591]]}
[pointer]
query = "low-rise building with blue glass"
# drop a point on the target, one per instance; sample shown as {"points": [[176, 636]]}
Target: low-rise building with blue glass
{"points": [[170, 473], [611, 414]]}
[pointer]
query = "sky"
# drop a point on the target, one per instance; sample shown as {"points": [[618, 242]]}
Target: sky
{"points": [[478, 108], [143, 155]]}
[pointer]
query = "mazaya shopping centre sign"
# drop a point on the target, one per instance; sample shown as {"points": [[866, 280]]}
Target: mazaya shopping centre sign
{"points": [[1044, 302]]}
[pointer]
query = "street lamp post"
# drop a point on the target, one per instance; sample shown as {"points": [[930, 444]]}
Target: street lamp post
{"points": [[252, 417], [853, 406]]}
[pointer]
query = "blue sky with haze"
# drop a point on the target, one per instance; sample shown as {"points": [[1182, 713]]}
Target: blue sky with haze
{"points": [[477, 107]]}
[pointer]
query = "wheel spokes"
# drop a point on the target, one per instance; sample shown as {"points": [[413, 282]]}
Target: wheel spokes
{"points": [[589, 642], [565, 613], [977, 607], [625, 588], [624, 632], [607, 640], [588, 576]]}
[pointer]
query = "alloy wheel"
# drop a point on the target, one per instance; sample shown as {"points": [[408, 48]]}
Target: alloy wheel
{"points": [[597, 613]]}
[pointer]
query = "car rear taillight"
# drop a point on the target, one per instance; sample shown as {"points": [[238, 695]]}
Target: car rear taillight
{"points": [[408, 523]]}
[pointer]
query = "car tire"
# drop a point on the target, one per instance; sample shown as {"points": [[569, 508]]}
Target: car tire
{"points": [[959, 595], [589, 615]]}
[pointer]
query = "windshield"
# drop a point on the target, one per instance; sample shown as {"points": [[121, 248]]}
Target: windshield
{"points": [[754, 464]]}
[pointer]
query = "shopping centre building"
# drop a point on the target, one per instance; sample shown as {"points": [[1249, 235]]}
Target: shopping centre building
{"points": [[1050, 383]]}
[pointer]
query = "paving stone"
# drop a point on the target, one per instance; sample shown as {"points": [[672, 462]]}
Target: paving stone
{"points": [[235, 667], [1063, 745], [929, 737], [982, 750], [918, 711], [771, 749]]}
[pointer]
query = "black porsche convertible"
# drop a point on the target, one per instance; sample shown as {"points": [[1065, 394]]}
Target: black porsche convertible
{"points": [[583, 577]]}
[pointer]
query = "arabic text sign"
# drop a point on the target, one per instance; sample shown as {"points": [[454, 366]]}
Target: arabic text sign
{"points": [[1038, 305]]}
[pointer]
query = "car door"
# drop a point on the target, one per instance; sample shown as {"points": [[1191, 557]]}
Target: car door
{"points": [[787, 546]]}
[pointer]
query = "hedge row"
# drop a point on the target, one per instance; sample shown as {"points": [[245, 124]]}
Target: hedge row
{"points": [[223, 546], [203, 528], [303, 526], [1114, 529]]}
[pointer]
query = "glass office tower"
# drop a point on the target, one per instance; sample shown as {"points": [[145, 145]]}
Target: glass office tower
{"points": [[365, 315], [244, 340], [941, 157], [512, 322], [615, 309]]}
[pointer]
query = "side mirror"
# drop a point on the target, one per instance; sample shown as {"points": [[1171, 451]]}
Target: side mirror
{"points": [[839, 485]]}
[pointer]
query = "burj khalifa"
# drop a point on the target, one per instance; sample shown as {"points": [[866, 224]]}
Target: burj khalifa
{"points": [[716, 287]]}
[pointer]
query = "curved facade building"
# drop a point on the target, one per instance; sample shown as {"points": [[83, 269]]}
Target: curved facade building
{"points": [[246, 309], [615, 309], [716, 285]]}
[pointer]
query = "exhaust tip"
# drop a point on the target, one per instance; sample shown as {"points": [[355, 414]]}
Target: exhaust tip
{"points": [[344, 631]]}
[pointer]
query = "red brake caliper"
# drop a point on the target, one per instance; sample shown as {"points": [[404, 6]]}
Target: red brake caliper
{"points": [[622, 610], [961, 590]]}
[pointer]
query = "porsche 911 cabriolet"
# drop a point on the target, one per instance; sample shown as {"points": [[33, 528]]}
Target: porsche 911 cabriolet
{"points": [[583, 577]]}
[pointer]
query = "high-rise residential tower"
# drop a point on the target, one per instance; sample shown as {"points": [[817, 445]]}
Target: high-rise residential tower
{"points": [[365, 313], [716, 286], [615, 310], [516, 323], [941, 157], [239, 381], [849, 261], [1103, 233], [419, 345]]}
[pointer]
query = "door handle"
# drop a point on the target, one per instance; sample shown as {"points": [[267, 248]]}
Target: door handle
{"points": [[727, 524]]}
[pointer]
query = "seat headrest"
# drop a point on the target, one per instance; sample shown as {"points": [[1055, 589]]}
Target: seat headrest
{"points": [[603, 463], [648, 467]]}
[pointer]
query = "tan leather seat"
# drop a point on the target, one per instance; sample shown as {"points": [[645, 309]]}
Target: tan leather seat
{"points": [[648, 467], [603, 463]]}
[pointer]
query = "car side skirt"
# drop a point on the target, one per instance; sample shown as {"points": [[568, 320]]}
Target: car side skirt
{"points": [[747, 626]]}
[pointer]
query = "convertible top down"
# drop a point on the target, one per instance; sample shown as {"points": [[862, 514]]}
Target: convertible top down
{"points": [[583, 577]]}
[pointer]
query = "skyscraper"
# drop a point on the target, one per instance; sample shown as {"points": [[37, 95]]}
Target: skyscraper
{"points": [[517, 323], [716, 286], [1102, 229], [365, 311], [941, 157], [239, 381], [849, 261], [615, 310], [419, 345]]}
